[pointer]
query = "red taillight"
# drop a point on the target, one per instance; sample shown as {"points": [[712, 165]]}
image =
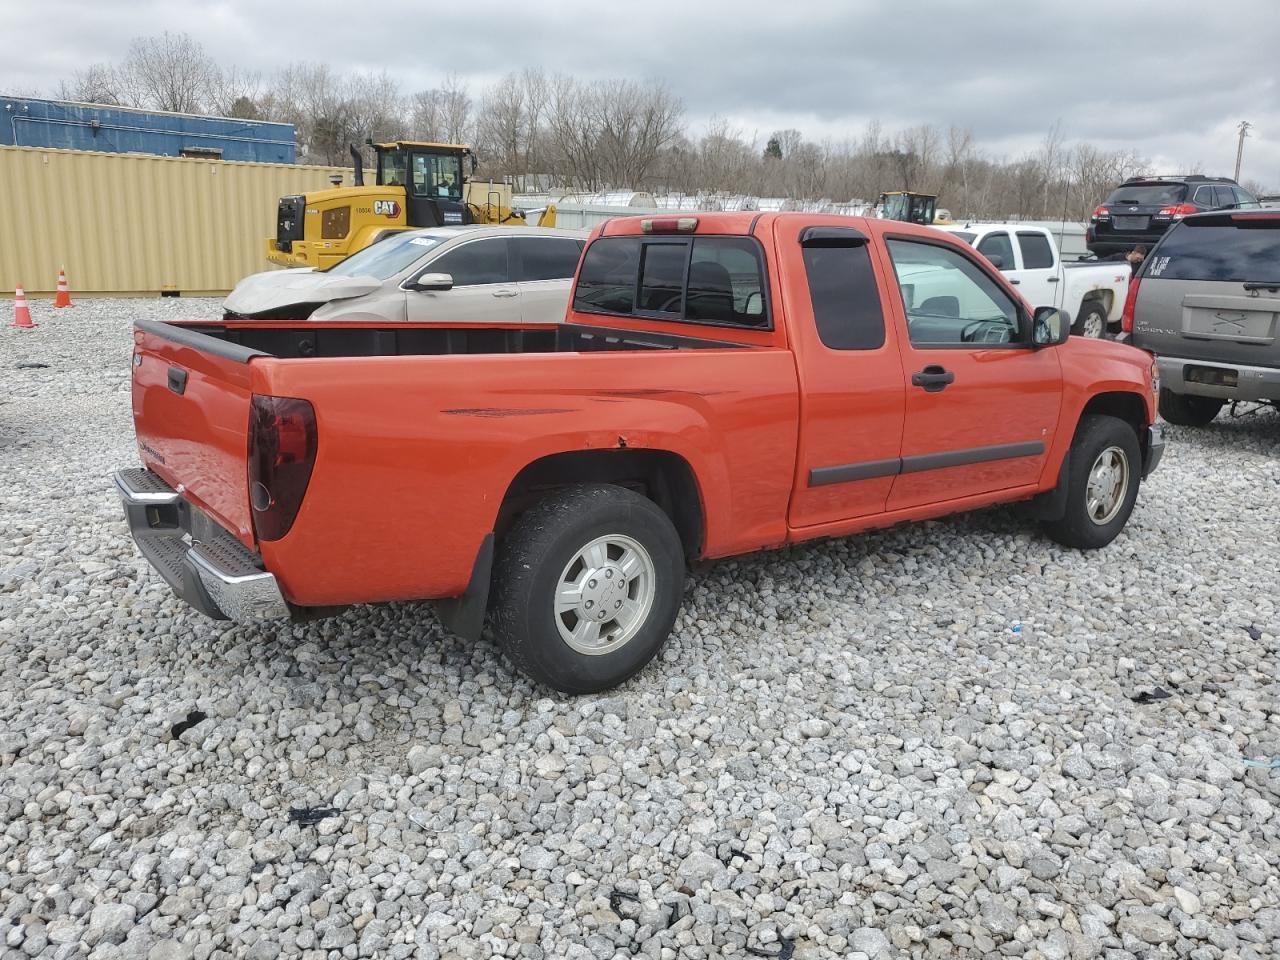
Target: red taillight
{"points": [[669, 225], [1130, 301], [1101, 213], [282, 451], [1177, 211]]}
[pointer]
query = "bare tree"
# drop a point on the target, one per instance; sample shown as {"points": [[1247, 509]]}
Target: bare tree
{"points": [[238, 93], [375, 107], [170, 72], [455, 109], [96, 83]]}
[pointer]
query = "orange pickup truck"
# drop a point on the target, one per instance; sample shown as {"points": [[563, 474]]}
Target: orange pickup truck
{"points": [[721, 384]]}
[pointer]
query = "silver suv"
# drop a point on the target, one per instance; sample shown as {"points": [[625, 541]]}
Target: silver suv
{"points": [[1207, 303]]}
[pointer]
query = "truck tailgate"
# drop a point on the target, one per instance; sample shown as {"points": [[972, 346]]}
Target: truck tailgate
{"points": [[191, 402]]}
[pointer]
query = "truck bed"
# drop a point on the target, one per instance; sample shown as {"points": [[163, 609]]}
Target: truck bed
{"points": [[295, 340], [421, 430]]}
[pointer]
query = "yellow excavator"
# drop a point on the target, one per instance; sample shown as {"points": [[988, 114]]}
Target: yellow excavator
{"points": [[418, 184]]}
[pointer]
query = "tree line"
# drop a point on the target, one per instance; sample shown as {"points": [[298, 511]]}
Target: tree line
{"points": [[548, 131]]}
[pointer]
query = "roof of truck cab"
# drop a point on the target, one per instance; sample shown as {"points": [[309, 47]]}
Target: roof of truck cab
{"points": [[751, 222]]}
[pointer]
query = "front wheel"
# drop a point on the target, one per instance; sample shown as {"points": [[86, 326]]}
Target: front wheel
{"points": [[586, 587], [1188, 411], [1092, 321], [1102, 484]]}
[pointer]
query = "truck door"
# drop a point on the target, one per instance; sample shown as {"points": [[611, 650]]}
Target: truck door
{"points": [[1039, 272], [851, 380], [981, 402]]}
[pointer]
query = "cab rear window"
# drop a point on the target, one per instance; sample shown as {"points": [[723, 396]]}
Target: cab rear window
{"points": [[1247, 249], [709, 280], [1145, 193]]}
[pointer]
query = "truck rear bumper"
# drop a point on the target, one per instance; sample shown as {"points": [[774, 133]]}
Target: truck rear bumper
{"points": [[1226, 381], [204, 564]]}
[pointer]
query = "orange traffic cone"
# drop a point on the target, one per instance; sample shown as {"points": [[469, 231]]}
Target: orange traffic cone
{"points": [[63, 299], [21, 312]]}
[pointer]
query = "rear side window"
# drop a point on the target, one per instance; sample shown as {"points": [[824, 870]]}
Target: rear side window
{"points": [[1036, 252], [607, 280], [710, 280], [480, 261], [846, 301], [548, 258], [1245, 250]]}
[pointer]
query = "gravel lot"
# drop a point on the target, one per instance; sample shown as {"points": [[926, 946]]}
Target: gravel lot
{"points": [[847, 750]]}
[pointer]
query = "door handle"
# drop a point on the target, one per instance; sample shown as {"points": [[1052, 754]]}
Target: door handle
{"points": [[933, 378], [1052, 279], [504, 293], [1014, 281]]}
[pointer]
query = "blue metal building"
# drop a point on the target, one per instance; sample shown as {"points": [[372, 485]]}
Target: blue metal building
{"points": [[27, 122]]}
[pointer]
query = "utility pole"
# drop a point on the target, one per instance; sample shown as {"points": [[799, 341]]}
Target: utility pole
{"points": [[1244, 132]]}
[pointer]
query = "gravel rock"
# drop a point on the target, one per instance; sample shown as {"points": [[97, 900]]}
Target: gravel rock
{"points": [[1148, 927], [845, 746], [110, 922]]}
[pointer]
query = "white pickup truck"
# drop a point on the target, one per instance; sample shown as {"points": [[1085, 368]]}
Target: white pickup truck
{"points": [[1092, 292]]}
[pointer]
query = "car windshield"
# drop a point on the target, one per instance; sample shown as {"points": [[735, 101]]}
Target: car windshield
{"points": [[1246, 250], [384, 259], [1149, 193]]}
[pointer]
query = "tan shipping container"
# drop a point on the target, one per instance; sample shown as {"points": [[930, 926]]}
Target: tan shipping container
{"points": [[139, 225]]}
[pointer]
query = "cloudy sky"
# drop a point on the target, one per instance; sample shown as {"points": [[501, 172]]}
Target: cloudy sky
{"points": [[1170, 80]]}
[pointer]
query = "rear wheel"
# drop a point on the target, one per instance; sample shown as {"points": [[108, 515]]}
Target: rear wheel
{"points": [[1092, 321], [586, 587], [1188, 411], [1102, 484]]}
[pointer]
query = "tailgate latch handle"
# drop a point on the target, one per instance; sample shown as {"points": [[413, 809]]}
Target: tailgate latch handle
{"points": [[933, 378], [178, 380]]}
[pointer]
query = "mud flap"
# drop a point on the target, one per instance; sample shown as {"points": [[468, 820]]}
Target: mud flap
{"points": [[1052, 504], [464, 615]]}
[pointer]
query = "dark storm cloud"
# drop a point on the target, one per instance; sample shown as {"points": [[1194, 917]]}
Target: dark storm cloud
{"points": [[1168, 80]]}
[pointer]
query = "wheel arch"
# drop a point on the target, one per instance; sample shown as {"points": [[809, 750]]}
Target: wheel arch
{"points": [[664, 477], [1104, 298], [1122, 404]]}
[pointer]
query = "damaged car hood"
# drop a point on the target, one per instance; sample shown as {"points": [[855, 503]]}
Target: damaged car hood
{"points": [[284, 288]]}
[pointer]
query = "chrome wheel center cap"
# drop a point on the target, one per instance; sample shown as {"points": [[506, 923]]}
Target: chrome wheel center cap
{"points": [[603, 591]]}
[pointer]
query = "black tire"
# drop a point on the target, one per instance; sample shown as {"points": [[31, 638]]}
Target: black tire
{"points": [[1091, 314], [1188, 411], [1077, 527], [531, 558]]}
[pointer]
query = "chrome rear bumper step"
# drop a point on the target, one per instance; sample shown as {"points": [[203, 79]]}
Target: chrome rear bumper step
{"points": [[205, 565]]}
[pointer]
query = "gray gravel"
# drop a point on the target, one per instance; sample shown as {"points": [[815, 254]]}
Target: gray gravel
{"points": [[845, 751]]}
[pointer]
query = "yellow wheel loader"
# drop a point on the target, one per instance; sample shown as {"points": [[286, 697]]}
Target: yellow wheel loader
{"points": [[419, 184], [910, 207]]}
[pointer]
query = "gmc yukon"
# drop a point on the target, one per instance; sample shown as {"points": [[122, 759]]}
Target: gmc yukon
{"points": [[722, 384]]}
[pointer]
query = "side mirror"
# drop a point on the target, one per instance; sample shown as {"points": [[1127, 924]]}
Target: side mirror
{"points": [[997, 261], [1049, 327], [431, 281]]}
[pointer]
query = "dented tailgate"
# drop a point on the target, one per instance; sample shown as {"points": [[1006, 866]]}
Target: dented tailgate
{"points": [[191, 400]]}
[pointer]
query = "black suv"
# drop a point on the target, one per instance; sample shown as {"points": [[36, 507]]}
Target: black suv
{"points": [[1141, 209]]}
